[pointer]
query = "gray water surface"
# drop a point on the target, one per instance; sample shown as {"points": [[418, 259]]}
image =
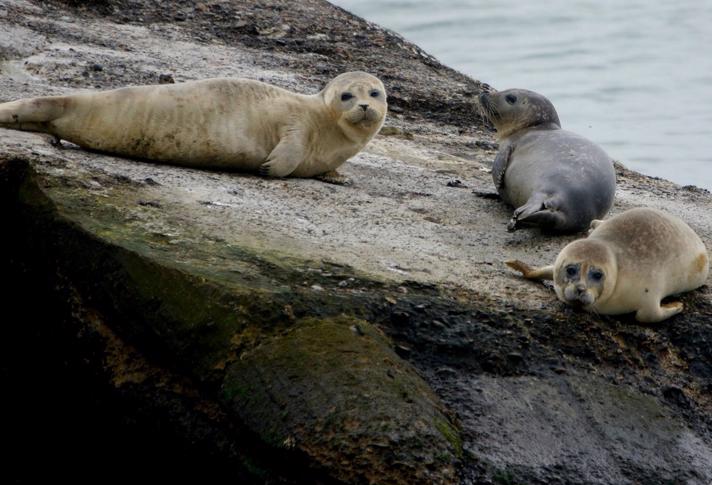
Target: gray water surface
{"points": [[634, 76]]}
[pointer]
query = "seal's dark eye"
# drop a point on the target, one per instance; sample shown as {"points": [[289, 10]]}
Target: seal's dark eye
{"points": [[571, 270], [375, 94], [511, 99], [346, 96], [596, 275]]}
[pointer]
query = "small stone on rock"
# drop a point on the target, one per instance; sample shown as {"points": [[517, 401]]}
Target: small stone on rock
{"points": [[456, 183]]}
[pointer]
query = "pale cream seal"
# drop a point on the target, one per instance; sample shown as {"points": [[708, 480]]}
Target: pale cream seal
{"points": [[628, 263], [231, 124]]}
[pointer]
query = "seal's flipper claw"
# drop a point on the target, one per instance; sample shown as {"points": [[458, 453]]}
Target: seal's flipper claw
{"points": [[334, 177], [263, 171]]}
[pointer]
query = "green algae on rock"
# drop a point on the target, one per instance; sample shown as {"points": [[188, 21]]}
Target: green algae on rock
{"points": [[335, 390]]}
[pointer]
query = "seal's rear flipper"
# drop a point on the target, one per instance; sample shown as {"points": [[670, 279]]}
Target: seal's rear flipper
{"points": [[538, 211], [544, 273], [533, 205], [546, 219], [33, 114]]}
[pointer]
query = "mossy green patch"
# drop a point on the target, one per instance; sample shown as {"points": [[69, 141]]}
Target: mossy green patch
{"points": [[451, 435], [335, 387], [504, 477]]}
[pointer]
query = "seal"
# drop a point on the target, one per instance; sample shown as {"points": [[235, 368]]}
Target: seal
{"points": [[556, 179], [223, 123], [628, 263]]}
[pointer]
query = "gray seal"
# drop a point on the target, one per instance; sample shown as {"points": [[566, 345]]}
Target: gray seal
{"points": [[556, 179]]}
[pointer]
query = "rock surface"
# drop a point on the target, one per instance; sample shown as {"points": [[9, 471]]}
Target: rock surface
{"points": [[289, 331]]}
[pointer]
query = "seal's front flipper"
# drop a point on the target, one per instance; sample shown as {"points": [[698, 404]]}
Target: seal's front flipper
{"points": [[544, 273], [285, 157], [594, 224], [499, 167], [334, 177], [653, 312]]}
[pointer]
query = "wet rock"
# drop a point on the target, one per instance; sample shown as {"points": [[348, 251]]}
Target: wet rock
{"points": [[347, 401]]}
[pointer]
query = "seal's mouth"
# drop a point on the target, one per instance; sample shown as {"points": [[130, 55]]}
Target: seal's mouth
{"points": [[364, 118], [579, 297]]}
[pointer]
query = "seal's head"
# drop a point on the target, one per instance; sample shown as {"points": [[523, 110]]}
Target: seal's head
{"points": [[585, 273], [515, 109], [357, 101]]}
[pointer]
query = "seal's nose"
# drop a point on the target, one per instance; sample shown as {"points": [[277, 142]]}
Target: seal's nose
{"points": [[364, 106], [580, 289]]}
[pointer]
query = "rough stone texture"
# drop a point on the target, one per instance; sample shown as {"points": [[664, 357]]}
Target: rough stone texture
{"points": [[144, 299], [387, 423]]}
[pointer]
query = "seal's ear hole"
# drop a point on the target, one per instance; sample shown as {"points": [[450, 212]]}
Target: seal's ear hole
{"points": [[511, 99], [346, 96]]}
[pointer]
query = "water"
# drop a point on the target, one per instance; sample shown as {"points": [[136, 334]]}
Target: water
{"points": [[634, 76]]}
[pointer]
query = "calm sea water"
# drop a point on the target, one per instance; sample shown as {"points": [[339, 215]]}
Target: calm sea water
{"points": [[632, 75]]}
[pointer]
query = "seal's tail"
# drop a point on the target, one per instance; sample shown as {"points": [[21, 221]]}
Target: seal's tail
{"points": [[32, 114]]}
